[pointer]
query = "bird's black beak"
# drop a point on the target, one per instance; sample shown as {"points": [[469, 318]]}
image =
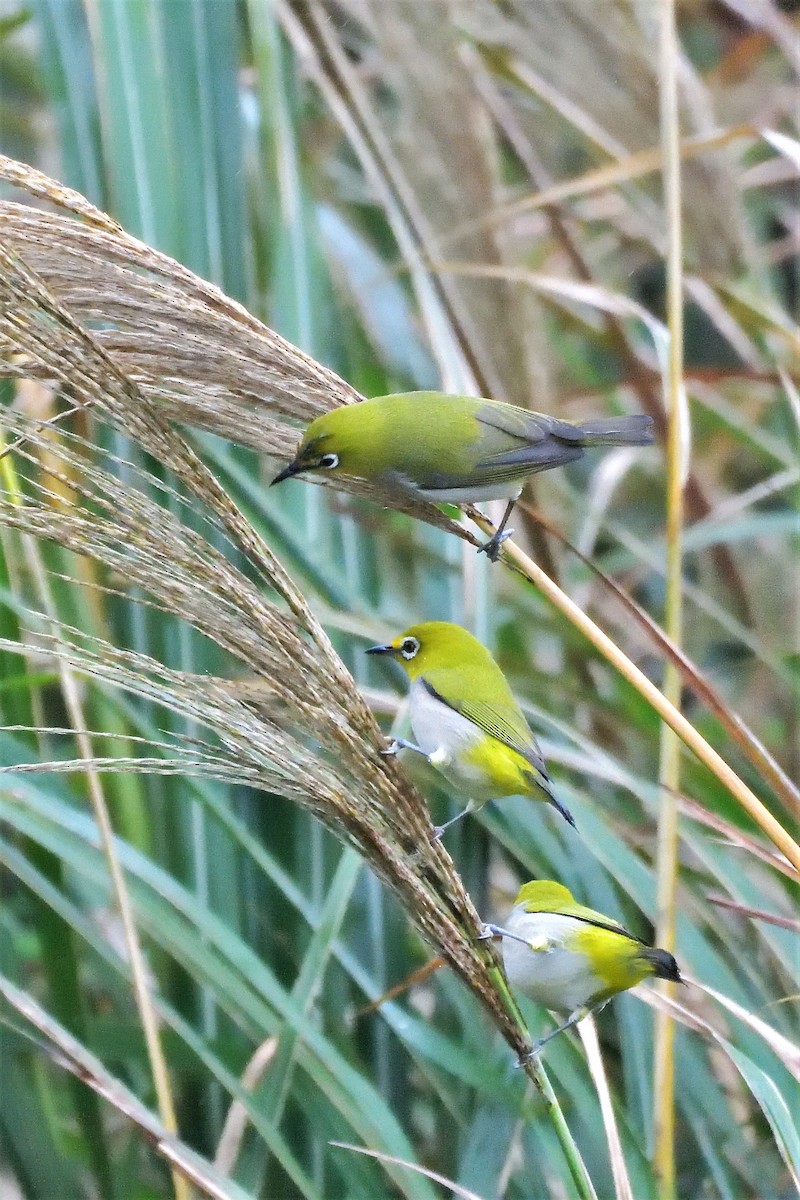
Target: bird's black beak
{"points": [[292, 468], [381, 650]]}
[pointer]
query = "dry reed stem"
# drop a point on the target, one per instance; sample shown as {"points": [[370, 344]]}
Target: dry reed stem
{"points": [[693, 678], [236, 1119], [748, 800], [139, 974], [153, 305], [587, 1029], [599, 179], [678, 445], [356, 792], [71, 1055]]}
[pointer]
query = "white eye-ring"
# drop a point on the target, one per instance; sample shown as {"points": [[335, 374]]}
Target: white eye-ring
{"points": [[329, 460], [409, 647]]}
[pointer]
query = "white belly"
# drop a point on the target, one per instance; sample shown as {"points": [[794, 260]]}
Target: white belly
{"points": [[509, 489], [446, 736], [556, 978]]}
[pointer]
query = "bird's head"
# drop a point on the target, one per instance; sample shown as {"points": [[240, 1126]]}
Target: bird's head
{"points": [[544, 895], [432, 646], [325, 447], [660, 963]]}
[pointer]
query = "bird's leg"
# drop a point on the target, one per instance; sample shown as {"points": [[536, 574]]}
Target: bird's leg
{"points": [[398, 744], [438, 830], [489, 931], [572, 1019], [492, 548], [536, 1048]]}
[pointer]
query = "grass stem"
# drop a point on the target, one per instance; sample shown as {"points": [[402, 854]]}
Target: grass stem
{"points": [[759, 813], [74, 707], [670, 750]]}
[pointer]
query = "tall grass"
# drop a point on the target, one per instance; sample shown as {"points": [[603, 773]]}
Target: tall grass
{"points": [[678, 452], [411, 195]]}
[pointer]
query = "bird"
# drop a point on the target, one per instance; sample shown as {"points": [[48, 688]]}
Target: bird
{"points": [[465, 719], [452, 449], [569, 958]]}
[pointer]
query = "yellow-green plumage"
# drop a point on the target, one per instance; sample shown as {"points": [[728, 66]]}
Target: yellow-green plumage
{"points": [[460, 448], [465, 718], [570, 958]]}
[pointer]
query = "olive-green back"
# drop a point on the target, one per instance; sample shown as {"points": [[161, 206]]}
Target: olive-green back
{"points": [[464, 675], [542, 895], [436, 441]]}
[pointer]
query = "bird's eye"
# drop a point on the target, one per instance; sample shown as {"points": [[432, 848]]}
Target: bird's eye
{"points": [[409, 647], [329, 460]]}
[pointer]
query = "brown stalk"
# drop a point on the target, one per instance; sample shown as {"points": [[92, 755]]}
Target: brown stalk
{"points": [[693, 678], [528, 569], [758, 914], [636, 165], [640, 377], [364, 799]]}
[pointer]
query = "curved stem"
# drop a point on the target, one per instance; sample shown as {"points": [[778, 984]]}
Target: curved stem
{"points": [[536, 1072], [526, 567], [538, 1076]]}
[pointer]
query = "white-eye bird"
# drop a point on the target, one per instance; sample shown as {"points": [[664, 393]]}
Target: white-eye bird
{"points": [[465, 719], [454, 449], [569, 958]]}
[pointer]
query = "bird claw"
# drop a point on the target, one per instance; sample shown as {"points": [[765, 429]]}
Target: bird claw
{"points": [[486, 934], [531, 1056], [438, 830], [394, 747], [492, 548]]}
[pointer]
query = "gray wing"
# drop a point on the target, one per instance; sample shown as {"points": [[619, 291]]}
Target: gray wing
{"points": [[509, 727], [512, 443], [517, 442]]}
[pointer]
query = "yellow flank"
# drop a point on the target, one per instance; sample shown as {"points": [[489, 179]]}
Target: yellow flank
{"points": [[615, 959], [571, 959], [508, 773]]}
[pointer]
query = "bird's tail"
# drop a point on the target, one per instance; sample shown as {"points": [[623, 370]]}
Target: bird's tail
{"points": [[562, 808], [636, 430], [543, 781]]}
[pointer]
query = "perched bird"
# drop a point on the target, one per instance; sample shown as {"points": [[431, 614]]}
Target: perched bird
{"points": [[570, 958], [465, 719], [455, 449]]}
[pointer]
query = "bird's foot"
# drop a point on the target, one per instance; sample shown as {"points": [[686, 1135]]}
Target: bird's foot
{"points": [[532, 1055], [486, 934], [398, 744], [492, 548], [438, 830]]}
